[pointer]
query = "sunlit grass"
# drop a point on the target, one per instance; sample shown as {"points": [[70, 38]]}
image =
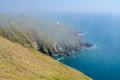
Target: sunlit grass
{"points": [[20, 63]]}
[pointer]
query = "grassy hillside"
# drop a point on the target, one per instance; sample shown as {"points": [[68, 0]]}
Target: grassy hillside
{"points": [[20, 63]]}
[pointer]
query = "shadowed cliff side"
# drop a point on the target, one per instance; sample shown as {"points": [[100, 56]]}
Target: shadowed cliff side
{"points": [[50, 38]]}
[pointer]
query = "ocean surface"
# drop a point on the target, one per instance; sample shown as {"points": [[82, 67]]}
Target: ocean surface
{"points": [[101, 62]]}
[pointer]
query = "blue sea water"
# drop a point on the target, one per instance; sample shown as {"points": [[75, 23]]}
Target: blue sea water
{"points": [[102, 62]]}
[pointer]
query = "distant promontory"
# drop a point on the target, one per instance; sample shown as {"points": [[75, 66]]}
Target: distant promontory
{"points": [[49, 38]]}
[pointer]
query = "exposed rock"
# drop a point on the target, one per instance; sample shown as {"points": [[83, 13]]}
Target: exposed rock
{"points": [[88, 45]]}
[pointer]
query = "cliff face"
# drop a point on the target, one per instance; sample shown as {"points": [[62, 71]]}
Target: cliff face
{"points": [[50, 38], [21, 63]]}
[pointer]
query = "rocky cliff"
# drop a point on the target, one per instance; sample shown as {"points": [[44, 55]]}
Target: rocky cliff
{"points": [[49, 38]]}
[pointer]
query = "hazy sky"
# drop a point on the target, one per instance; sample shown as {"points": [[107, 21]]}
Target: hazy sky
{"points": [[59, 6]]}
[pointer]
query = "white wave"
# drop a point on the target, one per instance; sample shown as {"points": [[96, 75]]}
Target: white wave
{"points": [[58, 59]]}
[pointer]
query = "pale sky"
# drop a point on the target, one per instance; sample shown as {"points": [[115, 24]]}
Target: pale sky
{"points": [[59, 6]]}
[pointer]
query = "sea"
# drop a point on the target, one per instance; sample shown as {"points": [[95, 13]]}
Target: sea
{"points": [[102, 61]]}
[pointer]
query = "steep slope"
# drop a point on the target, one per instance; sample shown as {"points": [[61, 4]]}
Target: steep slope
{"points": [[50, 38], [20, 63]]}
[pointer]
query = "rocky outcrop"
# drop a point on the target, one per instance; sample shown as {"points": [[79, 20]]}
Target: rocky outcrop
{"points": [[50, 38]]}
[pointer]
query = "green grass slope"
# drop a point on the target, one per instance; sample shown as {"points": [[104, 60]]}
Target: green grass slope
{"points": [[20, 63]]}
